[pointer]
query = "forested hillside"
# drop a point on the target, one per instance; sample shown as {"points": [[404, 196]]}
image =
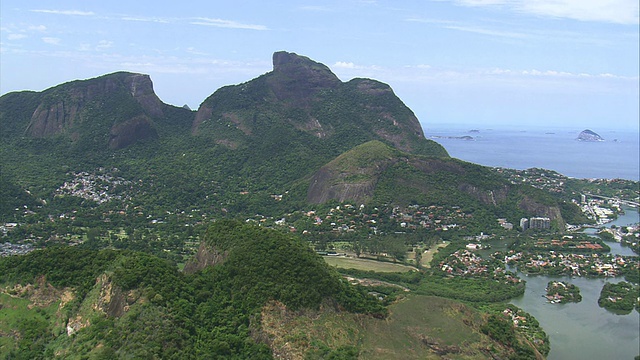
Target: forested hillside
{"points": [[110, 299]]}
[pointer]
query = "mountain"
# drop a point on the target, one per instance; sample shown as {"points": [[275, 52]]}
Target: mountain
{"points": [[588, 135], [114, 111], [297, 134], [302, 100]]}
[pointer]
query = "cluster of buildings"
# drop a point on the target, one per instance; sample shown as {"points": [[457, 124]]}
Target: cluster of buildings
{"points": [[605, 265], [516, 317], [595, 209], [349, 218], [569, 243], [540, 223], [540, 178], [464, 263], [8, 249], [98, 187]]}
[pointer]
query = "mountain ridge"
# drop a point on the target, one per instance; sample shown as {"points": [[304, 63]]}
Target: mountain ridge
{"points": [[283, 132]]}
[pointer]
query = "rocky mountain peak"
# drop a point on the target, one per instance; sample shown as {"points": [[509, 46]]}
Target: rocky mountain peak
{"points": [[297, 77]]}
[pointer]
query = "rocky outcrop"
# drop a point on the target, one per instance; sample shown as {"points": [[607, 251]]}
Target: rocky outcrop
{"points": [[589, 136], [327, 185], [206, 256], [353, 175], [112, 300], [130, 131], [488, 197], [533, 207], [64, 107], [297, 78]]}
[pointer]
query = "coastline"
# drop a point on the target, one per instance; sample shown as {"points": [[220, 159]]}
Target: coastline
{"points": [[551, 148]]}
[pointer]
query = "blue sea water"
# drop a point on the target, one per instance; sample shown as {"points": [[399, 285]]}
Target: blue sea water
{"points": [[549, 148]]}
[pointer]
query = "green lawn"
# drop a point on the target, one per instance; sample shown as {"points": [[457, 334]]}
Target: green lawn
{"points": [[365, 264]]}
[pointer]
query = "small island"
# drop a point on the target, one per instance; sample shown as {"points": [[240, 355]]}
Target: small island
{"points": [[620, 298], [589, 136], [560, 292], [465, 137]]}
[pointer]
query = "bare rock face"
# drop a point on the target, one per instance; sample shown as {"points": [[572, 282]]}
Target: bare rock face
{"points": [[297, 78], [141, 89], [112, 300], [51, 119], [552, 212], [130, 131], [206, 256], [64, 107], [327, 185], [488, 197]]}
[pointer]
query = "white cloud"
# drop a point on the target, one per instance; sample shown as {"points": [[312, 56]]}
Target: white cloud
{"points": [[65, 12], [484, 31], [146, 19], [550, 74], [16, 36], [615, 11], [344, 65], [104, 44], [351, 66], [51, 40], [611, 11], [316, 8], [40, 28], [227, 24]]}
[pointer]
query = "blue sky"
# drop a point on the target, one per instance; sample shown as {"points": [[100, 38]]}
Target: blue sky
{"points": [[571, 63]]}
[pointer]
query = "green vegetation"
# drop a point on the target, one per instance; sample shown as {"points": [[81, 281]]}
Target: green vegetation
{"points": [[620, 297], [563, 292], [212, 311], [113, 224], [421, 325], [365, 264]]}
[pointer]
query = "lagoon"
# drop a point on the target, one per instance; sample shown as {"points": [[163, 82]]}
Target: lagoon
{"points": [[585, 330]]}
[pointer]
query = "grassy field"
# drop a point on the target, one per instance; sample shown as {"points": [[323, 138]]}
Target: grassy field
{"points": [[428, 255], [365, 264], [418, 327], [425, 327]]}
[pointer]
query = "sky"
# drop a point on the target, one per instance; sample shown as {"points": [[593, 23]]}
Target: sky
{"points": [[511, 63]]}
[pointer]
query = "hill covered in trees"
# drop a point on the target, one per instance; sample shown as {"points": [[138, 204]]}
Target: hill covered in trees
{"points": [[72, 302]]}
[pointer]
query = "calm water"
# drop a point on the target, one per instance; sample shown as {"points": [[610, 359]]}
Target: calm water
{"points": [[584, 330], [576, 331], [549, 148]]}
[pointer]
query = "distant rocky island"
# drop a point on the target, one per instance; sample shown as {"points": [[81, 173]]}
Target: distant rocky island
{"points": [[588, 135], [465, 137]]}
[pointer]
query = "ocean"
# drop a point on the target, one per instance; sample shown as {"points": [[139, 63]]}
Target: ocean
{"points": [[617, 157]]}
